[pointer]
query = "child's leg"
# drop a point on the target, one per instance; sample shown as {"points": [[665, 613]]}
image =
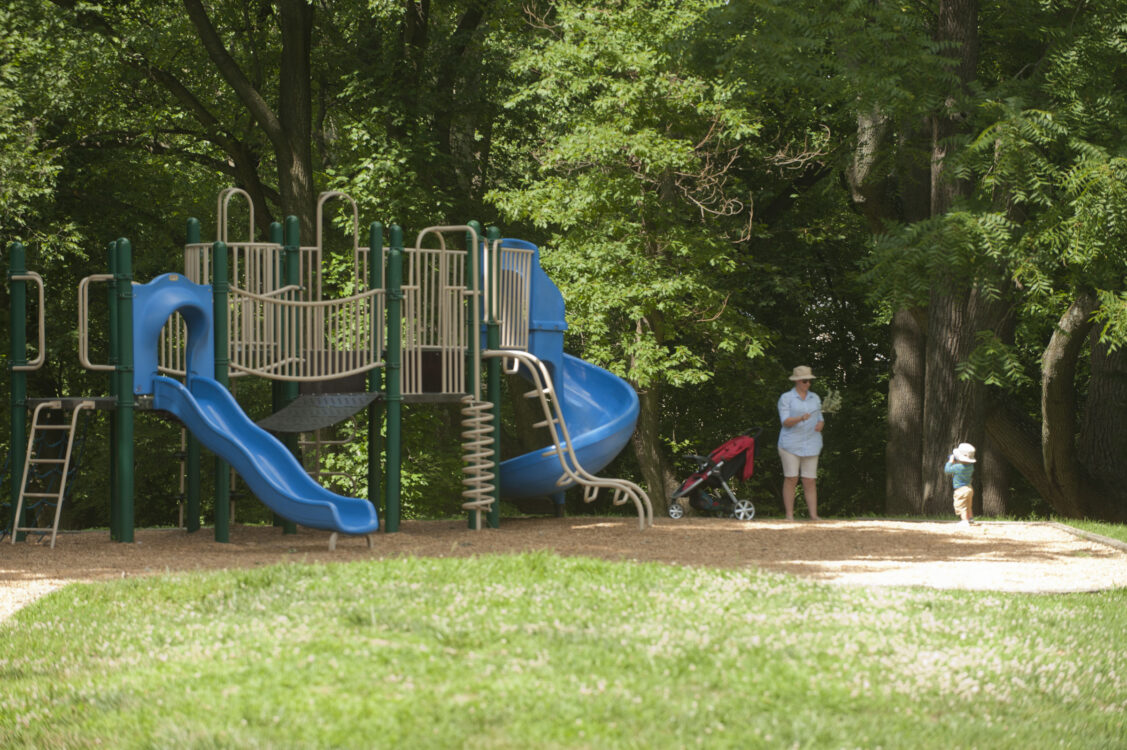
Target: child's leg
{"points": [[963, 496]]}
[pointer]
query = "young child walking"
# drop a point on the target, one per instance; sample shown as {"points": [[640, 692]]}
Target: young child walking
{"points": [[960, 467]]}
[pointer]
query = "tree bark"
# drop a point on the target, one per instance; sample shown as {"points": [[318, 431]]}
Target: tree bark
{"points": [[904, 452], [995, 480], [1058, 404], [1050, 461], [295, 116], [289, 130], [1103, 435], [1017, 440], [953, 409], [646, 441]]}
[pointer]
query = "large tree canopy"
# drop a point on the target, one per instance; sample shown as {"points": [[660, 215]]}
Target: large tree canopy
{"points": [[925, 202]]}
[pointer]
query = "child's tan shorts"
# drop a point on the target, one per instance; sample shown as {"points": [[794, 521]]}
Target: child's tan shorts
{"points": [[964, 496]]}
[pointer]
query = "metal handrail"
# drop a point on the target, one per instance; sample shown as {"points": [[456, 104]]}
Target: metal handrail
{"points": [[36, 363], [224, 204], [84, 322], [573, 471]]}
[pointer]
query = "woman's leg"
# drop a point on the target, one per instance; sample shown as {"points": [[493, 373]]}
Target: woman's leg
{"points": [[810, 491], [789, 483], [791, 471]]}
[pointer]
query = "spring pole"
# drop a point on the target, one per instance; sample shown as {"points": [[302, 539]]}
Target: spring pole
{"points": [[493, 378], [473, 333]]}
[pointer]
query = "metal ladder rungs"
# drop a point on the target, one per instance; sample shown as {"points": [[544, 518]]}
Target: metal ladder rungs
{"points": [[535, 393], [545, 423], [49, 498]]}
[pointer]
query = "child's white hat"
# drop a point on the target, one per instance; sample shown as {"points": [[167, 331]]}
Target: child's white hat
{"points": [[965, 453]]}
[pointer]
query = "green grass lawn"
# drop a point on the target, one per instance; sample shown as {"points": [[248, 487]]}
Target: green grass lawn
{"points": [[1110, 530], [537, 651]]}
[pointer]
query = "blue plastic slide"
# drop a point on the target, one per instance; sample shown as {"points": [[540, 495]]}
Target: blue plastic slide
{"points": [[600, 409], [265, 464]]}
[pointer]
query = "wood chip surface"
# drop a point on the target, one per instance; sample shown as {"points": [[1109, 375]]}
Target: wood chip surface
{"points": [[988, 556]]}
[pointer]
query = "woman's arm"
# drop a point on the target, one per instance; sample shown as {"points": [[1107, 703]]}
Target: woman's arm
{"points": [[786, 421]]}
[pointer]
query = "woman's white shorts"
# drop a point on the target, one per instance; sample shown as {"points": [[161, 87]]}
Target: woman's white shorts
{"points": [[793, 466]]}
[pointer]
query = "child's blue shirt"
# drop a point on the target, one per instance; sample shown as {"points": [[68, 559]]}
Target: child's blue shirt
{"points": [[960, 473]]}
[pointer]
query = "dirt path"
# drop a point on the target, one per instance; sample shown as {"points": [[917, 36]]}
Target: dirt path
{"points": [[1023, 557]]}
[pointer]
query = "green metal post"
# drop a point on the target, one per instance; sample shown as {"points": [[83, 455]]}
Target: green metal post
{"points": [[219, 289], [192, 462], [375, 377], [290, 389], [115, 348], [123, 451], [17, 357], [393, 376], [473, 333], [493, 379]]}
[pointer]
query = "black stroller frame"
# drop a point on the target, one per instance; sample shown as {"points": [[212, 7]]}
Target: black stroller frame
{"points": [[707, 488]]}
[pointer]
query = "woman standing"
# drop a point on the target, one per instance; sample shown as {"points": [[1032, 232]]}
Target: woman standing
{"points": [[800, 441]]}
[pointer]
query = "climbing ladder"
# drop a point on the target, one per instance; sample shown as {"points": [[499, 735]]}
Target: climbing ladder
{"points": [[45, 497]]}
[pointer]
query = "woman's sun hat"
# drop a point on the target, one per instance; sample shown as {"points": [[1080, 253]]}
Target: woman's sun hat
{"points": [[965, 453], [802, 372]]}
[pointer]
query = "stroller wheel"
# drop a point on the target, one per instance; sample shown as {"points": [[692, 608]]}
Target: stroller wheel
{"points": [[744, 510], [676, 510]]}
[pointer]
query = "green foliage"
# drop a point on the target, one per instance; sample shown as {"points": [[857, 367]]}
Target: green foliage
{"points": [[679, 164], [634, 181]]}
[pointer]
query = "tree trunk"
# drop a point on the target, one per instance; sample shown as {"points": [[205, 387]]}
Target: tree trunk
{"points": [[1051, 463], [295, 116], [1103, 434], [953, 408], [1058, 405], [995, 481], [875, 198], [646, 440], [904, 452]]}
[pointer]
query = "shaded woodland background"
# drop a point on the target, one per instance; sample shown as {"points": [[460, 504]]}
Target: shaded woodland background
{"points": [[926, 202]]}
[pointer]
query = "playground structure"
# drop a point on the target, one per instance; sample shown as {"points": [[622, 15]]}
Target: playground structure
{"points": [[427, 323]]}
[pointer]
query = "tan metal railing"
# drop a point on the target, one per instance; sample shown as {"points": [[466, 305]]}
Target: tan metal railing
{"points": [[571, 469], [509, 271], [84, 321], [296, 340], [36, 363], [439, 301]]}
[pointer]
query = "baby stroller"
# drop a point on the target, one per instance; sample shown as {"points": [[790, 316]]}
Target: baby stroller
{"points": [[708, 489]]}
